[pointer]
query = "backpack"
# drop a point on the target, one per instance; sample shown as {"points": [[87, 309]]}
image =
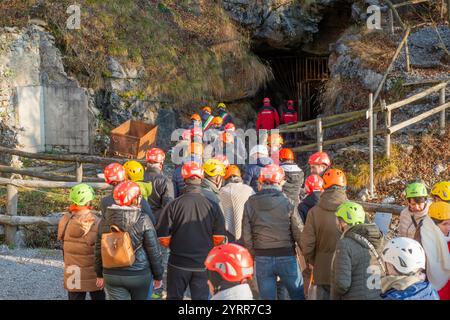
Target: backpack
{"points": [[117, 249]]}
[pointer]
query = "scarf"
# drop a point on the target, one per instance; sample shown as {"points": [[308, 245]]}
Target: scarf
{"points": [[438, 257], [399, 283]]}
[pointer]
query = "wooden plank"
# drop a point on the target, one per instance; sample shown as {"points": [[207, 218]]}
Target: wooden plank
{"points": [[442, 120], [426, 82], [43, 175], [79, 172], [418, 118], [319, 134], [12, 195], [50, 184], [371, 135], [416, 97], [407, 3], [15, 221]]}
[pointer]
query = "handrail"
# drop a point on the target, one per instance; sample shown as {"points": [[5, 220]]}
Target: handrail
{"points": [[416, 97]]}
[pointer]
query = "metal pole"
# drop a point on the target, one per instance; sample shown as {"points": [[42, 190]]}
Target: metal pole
{"points": [[319, 134], [370, 117], [441, 102]]}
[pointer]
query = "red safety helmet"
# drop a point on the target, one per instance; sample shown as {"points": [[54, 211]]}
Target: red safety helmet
{"points": [[290, 103], [156, 155], [231, 261], [192, 169], [229, 127], [126, 192], [313, 183], [272, 173], [114, 172], [266, 102], [286, 154], [222, 158], [319, 158]]}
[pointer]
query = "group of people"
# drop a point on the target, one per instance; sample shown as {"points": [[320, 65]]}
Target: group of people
{"points": [[260, 231]]}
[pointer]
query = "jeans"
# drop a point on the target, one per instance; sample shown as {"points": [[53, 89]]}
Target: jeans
{"points": [[95, 295], [267, 269], [178, 280], [127, 287]]}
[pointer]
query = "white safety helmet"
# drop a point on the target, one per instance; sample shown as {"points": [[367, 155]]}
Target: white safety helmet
{"points": [[405, 254], [261, 149]]}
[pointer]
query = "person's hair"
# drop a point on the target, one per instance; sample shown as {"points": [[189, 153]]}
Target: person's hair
{"points": [[193, 181], [154, 165], [219, 283], [436, 221], [417, 199], [234, 179]]}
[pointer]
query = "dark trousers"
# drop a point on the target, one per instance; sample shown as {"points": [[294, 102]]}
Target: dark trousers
{"points": [[127, 287], [178, 280], [95, 295]]}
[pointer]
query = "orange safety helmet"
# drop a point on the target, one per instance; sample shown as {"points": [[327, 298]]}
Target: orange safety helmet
{"points": [[155, 155], [232, 262], [232, 171], [196, 117], [286, 154], [217, 121], [192, 169], [271, 174], [196, 148], [126, 192], [207, 109], [334, 177]]}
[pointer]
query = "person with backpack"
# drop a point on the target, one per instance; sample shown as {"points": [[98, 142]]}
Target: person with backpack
{"points": [[230, 269], [405, 263], [270, 230], [190, 227], [320, 235], [233, 197], [357, 265], [294, 175], [412, 216], [441, 191], [259, 155], [435, 239], [127, 253], [313, 190], [77, 230], [268, 117]]}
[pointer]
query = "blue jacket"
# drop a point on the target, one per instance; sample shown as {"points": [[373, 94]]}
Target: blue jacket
{"points": [[418, 291], [253, 170], [177, 178]]}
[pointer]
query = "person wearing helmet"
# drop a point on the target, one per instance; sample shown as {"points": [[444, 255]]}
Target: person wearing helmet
{"points": [[288, 117], [135, 172], [294, 175], [214, 173], [217, 123], [435, 239], [405, 263], [132, 282], [412, 216], [233, 197], [319, 162], [268, 117], [206, 116], [196, 121], [226, 117], [357, 251], [313, 190], [114, 174], [320, 235], [230, 269], [190, 226], [270, 230], [195, 154], [259, 158], [77, 230], [275, 142], [441, 191]]}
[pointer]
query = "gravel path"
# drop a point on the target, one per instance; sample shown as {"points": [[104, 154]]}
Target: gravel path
{"points": [[31, 274]]}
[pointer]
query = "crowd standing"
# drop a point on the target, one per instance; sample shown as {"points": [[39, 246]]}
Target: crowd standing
{"points": [[264, 230]]}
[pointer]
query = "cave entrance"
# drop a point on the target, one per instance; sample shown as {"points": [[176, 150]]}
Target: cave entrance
{"points": [[297, 78]]}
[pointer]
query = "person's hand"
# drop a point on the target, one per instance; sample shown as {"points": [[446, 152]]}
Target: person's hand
{"points": [[100, 283], [157, 284], [310, 266]]}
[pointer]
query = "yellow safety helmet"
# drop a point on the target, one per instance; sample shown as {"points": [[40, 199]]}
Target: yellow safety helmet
{"points": [[221, 105], [134, 170], [442, 190], [217, 121], [439, 210], [214, 167]]}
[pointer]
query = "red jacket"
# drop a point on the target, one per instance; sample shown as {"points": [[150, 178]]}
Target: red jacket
{"points": [[268, 119], [289, 117]]}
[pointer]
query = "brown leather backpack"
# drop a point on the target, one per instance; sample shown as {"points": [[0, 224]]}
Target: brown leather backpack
{"points": [[117, 249]]}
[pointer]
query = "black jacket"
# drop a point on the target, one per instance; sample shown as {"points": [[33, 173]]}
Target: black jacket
{"points": [[307, 203], [294, 181], [143, 236], [191, 221], [108, 201], [162, 193], [271, 225]]}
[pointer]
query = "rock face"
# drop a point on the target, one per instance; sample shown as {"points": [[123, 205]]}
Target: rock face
{"points": [[426, 47]]}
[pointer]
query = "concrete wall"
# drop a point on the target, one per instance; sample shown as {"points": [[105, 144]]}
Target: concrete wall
{"points": [[53, 118]]}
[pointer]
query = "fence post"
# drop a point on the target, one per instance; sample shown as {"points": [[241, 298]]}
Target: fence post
{"points": [[408, 64], [11, 210], [387, 121], [441, 102], [391, 21], [319, 134], [370, 117], [79, 172], [375, 121]]}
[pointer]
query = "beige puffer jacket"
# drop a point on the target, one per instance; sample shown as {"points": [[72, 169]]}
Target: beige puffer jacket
{"points": [[407, 227]]}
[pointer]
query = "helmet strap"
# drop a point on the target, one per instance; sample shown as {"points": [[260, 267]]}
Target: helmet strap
{"points": [[77, 208]]}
